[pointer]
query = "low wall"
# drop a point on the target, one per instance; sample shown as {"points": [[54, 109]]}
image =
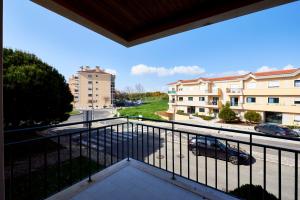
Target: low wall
{"points": [[181, 117], [165, 115]]}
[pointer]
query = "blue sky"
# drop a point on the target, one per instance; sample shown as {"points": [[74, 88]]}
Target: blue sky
{"points": [[261, 41]]}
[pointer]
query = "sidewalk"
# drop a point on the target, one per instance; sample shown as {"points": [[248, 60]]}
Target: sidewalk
{"points": [[215, 123]]}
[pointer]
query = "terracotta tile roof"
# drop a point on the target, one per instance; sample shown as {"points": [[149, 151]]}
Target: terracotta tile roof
{"points": [[224, 78], [277, 72], [94, 71]]}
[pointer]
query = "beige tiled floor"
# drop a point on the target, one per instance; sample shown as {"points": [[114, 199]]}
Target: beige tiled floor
{"points": [[135, 180]]}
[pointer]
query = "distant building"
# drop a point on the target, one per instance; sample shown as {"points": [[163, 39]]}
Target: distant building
{"points": [[92, 88], [275, 95]]}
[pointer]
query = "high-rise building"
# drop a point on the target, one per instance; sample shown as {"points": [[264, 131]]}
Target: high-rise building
{"points": [[92, 88]]}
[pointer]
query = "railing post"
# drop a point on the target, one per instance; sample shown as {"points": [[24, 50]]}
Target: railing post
{"points": [[173, 158], [250, 189], [90, 152], [127, 138]]}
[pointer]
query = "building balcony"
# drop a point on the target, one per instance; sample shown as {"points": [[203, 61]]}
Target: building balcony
{"points": [[191, 103], [192, 92], [234, 91], [272, 107], [214, 92], [272, 92], [122, 158], [172, 92]]}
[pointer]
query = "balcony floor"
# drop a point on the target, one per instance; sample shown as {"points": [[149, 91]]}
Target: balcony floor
{"points": [[136, 180]]}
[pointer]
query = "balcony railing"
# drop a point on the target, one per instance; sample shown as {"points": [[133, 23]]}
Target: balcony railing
{"points": [[172, 92], [67, 153], [234, 90]]}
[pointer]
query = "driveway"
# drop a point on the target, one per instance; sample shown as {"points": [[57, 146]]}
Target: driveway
{"points": [[98, 114]]}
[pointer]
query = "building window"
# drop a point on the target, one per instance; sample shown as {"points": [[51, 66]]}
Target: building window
{"points": [[190, 98], [201, 110], [251, 85], [297, 101], [89, 88], [297, 118], [96, 82], [96, 88], [76, 90], [90, 95], [90, 82], [297, 83], [273, 100], [96, 75], [215, 111], [273, 84], [201, 98], [180, 99], [90, 76], [251, 99]]}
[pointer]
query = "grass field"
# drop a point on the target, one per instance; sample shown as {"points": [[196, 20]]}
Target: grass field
{"points": [[74, 112], [148, 109]]}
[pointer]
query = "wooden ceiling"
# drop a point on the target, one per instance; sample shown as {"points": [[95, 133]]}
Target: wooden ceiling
{"points": [[131, 22]]}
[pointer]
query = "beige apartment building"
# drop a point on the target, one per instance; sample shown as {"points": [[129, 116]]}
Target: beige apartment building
{"points": [[275, 95], [92, 88]]}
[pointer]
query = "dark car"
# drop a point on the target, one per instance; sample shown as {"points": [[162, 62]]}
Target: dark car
{"points": [[212, 147], [272, 129]]}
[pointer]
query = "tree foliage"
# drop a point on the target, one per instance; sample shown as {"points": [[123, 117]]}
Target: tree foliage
{"points": [[257, 192], [34, 92], [227, 114], [252, 116]]}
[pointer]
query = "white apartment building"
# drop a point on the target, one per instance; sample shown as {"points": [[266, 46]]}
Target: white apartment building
{"points": [[275, 95]]}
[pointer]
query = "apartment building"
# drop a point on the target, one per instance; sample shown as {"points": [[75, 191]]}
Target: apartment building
{"points": [[92, 88], [275, 95]]}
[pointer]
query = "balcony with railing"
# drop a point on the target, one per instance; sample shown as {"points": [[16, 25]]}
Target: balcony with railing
{"points": [[172, 92], [234, 91], [130, 158]]}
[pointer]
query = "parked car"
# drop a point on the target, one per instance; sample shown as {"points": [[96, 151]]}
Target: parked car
{"points": [[272, 129], [213, 147]]}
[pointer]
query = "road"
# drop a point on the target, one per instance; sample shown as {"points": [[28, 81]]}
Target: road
{"points": [[98, 114]]}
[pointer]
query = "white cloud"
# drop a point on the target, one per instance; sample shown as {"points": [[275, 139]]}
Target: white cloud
{"points": [[289, 66], [162, 71], [111, 71], [228, 73], [266, 69]]}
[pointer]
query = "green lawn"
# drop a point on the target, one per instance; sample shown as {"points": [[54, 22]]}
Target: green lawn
{"points": [[148, 109], [74, 112]]}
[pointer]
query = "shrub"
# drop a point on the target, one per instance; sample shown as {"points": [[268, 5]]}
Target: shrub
{"points": [[205, 117], [181, 112], [256, 192], [293, 127], [227, 115], [252, 117]]}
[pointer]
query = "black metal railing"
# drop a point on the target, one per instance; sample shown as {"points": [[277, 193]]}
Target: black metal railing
{"points": [[39, 167]]}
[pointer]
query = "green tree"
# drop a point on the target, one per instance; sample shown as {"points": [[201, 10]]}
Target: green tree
{"points": [[34, 92], [252, 116], [227, 115], [256, 192]]}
